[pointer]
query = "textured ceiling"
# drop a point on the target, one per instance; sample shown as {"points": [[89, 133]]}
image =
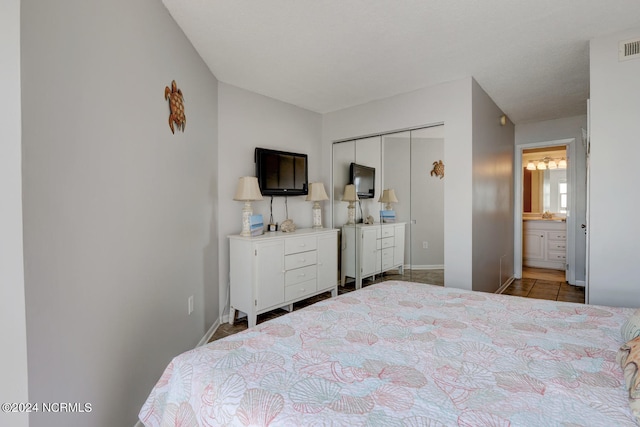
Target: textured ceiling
{"points": [[530, 56]]}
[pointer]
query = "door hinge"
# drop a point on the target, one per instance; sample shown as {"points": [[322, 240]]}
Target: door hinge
{"points": [[255, 252], [255, 302]]}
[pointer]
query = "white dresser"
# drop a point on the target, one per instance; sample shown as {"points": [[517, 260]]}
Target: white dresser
{"points": [[277, 269], [545, 244], [370, 249]]}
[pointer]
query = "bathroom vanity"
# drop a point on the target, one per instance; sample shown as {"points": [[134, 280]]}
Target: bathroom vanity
{"points": [[545, 243]]}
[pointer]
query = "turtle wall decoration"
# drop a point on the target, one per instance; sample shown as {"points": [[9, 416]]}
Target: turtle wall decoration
{"points": [[176, 107], [438, 169]]}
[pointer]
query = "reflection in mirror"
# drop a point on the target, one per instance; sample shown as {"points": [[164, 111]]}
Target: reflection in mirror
{"points": [[343, 154], [396, 165], [427, 206], [357, 164], [545, 181], [368, 155], [408, 242]]}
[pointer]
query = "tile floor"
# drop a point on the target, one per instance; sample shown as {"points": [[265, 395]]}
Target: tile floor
{"points": [[535, 283], [545, 284]]}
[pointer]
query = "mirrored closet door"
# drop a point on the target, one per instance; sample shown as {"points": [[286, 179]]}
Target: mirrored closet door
{"points": [[389, 207]]}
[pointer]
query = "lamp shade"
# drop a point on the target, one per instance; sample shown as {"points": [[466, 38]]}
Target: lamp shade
{"points": [[349, 193], [388, 196], [248, 189], [316, 192]]}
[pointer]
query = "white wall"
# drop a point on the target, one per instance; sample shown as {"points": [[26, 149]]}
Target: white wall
{"points": [[13, 357], [449, 103], [119, 213], [614, 174], [553, 130], [246, 121], [492, 194]]}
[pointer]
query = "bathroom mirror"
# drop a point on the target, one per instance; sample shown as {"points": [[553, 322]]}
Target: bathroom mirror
{"points": [[545, 181]]}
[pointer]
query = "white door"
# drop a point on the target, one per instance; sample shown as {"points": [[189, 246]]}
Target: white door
{"points": [[369, 255], [398, 247], [533, 245], [270, 272], [327, 261], [585, 226]]}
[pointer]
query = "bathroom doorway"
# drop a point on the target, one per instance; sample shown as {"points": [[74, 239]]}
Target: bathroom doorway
{"points": [[544, 228]]}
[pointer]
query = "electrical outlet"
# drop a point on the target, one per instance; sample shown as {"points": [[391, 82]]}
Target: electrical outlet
{"points": [[190, 304], [425, 245]]}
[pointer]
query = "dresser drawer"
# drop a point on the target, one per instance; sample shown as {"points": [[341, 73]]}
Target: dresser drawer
{"points": [[299, 275], [387, 263], [384, 243], [556, 245], [556, 256], [386, 232], [299, 290], [299, 244], [556, 235], [301, 259]]}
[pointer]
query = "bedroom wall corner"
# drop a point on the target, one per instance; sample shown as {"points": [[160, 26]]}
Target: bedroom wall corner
{"points": [[13, 357], [120, 215], [449, 103], [493, 146], [248, 120]]}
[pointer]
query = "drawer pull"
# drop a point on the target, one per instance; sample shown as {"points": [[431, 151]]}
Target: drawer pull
{"points": [[302, 260], [301, 275]]}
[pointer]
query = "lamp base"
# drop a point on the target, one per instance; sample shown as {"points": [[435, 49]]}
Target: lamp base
{"points": [[317, 215], [351, 214], [247, 211]]}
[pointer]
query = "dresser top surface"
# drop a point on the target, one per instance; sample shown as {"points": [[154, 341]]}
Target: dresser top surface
{"points": [[302, 232]]}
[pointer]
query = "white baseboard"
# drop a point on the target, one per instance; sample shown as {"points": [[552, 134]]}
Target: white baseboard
{"points": [[505, 285], [424, 267], [212, 330], [581, 283]]}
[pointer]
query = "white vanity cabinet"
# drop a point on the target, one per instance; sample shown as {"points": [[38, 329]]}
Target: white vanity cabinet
{"points": [[370, 249], [545, 244], [277, 269]]}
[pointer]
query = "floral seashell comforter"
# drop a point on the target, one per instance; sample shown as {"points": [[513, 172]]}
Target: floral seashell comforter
{"points": [[406, 354]]}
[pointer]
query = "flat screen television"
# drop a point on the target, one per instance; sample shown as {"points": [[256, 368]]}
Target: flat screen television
{"points": [[281, 173], [364, 178]]}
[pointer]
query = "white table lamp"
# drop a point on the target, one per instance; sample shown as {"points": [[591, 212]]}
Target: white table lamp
{"points": [[315, 195], [388, 197], [350, 196], [248, 190]]}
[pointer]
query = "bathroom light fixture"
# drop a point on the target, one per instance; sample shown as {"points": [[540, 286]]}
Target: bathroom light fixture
{"points": [[546, 163]]}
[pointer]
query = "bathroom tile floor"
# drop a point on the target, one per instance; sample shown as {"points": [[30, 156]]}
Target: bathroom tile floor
{"points": [[535, 283]]}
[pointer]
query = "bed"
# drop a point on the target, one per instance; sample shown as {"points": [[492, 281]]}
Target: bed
{"points": [[406, 354]]}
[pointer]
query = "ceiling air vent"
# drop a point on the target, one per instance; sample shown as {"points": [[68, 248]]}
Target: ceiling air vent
{"points": [[629, 49]]}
